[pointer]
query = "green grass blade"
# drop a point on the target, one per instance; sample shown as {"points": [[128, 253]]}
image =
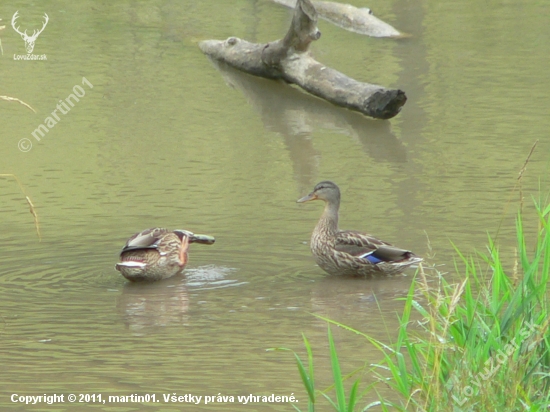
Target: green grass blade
{"points": [[353, 396], [306, 380], [336, 374]]}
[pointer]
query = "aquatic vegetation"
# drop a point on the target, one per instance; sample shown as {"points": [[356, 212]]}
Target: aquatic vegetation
{"points": [[341, 403], [483, 343]]}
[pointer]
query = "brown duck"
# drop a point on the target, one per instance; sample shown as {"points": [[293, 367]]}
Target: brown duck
{"points": [[157, 253], [348, 252]]}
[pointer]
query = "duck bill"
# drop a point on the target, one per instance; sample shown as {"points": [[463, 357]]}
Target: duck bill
{"points": [[311, 196]]}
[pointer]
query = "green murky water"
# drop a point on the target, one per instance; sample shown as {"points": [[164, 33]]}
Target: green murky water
{"points": [[164, 138]]}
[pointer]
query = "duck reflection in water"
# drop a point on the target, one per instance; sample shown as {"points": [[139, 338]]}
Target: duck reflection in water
{"points": [[149, 305]]}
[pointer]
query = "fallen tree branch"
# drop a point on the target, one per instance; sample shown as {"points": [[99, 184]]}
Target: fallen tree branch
{"points": [[297, 116], [288, 59], [351, 18]]}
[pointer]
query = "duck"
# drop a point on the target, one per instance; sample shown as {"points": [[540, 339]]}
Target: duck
{"points": [[350, 252], [157, 253]]}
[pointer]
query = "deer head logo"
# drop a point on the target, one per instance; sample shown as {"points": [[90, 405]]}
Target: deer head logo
{"points": [[29, 40]]}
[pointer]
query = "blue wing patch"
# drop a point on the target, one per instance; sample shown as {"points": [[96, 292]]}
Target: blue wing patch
{"points": [[371, 258]]}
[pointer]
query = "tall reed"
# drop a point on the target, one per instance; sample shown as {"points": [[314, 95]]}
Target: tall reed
{"points": [[484, 342]]}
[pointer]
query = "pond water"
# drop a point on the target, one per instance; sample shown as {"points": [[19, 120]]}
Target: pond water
{"points": [[164, 137]]}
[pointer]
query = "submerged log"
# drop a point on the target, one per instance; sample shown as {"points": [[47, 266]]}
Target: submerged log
{"points": [[297, 116], [351, 18], [288, 59]]}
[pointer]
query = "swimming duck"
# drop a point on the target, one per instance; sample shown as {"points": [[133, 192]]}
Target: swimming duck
{"points": [[157, 253], [348, 252]]}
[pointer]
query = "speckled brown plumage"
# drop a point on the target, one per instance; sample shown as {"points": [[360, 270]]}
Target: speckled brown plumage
{"points": [[348, 252], [157, 253]]}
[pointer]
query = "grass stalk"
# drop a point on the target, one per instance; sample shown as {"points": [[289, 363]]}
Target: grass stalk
{"points": [[484, 343], [29, 202]]}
